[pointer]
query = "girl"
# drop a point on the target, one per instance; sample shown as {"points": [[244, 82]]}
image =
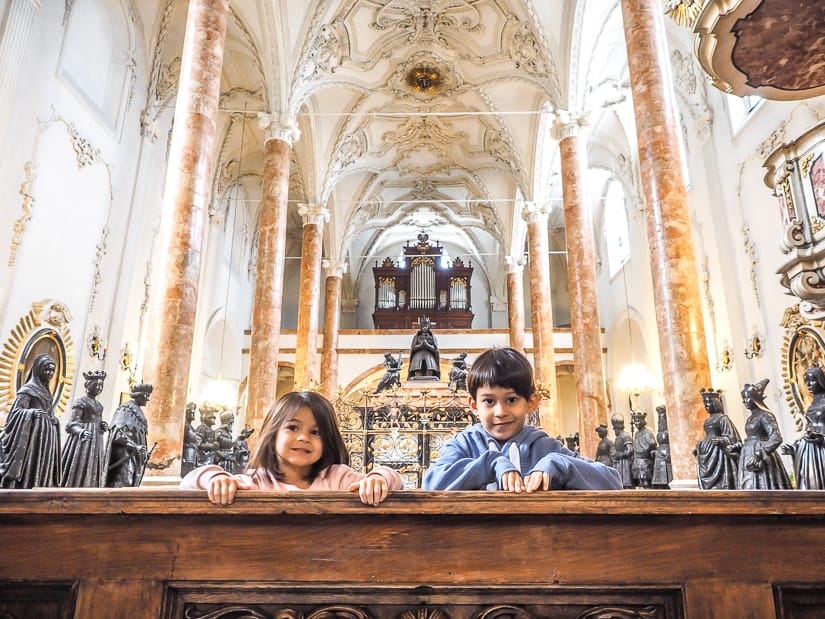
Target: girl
{"points": [[300, 448]]}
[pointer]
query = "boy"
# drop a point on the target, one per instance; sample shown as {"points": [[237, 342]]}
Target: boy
{"points": [[500, 452]]}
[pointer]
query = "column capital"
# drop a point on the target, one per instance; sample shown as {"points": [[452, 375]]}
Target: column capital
{"points": [[334, 268], [514, 264], [533, 212], [567, 124], [313, 214], [279, 127]]}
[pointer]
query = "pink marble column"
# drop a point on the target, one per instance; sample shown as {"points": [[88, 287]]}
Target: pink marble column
{"points": [[515, 300], [673, 262], [309, 304], [332, 323], [585, 325], [269, 277], [186, 198], [544, 352]]}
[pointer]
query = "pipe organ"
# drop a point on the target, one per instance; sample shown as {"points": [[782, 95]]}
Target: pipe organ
{"points": [[421, 285]]}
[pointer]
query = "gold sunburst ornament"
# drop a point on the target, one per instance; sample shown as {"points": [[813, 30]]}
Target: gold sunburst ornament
{"points": [[424, 79], [683, 12]]}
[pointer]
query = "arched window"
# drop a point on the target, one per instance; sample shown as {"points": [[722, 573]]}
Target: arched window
{"points": [[616, 227]]}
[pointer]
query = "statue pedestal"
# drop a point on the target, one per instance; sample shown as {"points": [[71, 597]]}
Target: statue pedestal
{"points": [[433, 387]]}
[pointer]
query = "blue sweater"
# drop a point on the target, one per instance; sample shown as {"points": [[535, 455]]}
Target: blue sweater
{"points": [[474, 460]]}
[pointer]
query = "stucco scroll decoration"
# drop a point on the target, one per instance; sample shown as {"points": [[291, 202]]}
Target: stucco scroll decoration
{"points": [[86, 153], [19, 226], [100, 252], [44, 329], [427, 23]]}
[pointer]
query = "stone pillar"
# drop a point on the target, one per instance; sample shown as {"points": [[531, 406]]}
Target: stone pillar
{"points": [[269, 277], [186, 198], [332, 322], [515, 300], [585, 325], [544, 352], [679, 318], [14, 37], [309, 296]]}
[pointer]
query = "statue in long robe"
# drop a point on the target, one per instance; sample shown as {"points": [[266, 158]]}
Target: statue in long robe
{"points": [[83, 464], [126, 452]]}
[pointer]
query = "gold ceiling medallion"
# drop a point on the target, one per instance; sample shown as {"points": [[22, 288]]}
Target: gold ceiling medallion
{"points": [[683, 12], [43, 330], [425, 80]]}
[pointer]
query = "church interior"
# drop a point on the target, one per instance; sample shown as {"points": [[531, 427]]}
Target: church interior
{"points": [[230, 200]]}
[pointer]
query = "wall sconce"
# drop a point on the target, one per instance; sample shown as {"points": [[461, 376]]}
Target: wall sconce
{"points": [[753, 346], [96, 346], [125, 363]]}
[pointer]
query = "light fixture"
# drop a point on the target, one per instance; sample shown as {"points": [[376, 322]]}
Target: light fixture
{"points": [[753, 346], [96, 346], [634, 379], [219, 392]]}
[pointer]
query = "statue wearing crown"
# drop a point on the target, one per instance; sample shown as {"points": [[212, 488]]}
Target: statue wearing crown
{"points": [[82, 462], [717, 454], [644, 448], [126, 453]]}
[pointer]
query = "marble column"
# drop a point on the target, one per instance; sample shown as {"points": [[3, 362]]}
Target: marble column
{"points": [[585, 325], [332, 323], [186, 199], [679, 317], [14, 37], [309, 297], [265, 332], [514, 267], [541, 301]]}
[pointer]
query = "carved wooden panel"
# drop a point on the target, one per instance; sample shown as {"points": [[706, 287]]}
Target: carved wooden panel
{"points": [[795, 602], [267, 601]]}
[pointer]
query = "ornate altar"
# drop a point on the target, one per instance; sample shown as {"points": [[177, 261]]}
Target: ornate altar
{"points": [[796, 174], [422, 285]]}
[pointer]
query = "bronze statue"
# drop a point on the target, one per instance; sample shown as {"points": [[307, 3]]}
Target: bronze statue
{"points": [[644, 447], [392, 377], [458, 373], [189, 453], [717, 454], [605, 446], [126, 452], [808, 451], [83, 464], [622, 450], [205, 436], [241, 449], [662, 466], [225, 452], [572, 441], [30, 441], [760, 467], [424, 361]]}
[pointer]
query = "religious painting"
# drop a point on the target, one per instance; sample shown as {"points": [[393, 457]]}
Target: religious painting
{"points": [[786, 205], [817, 177], [805, 348], [44, 342]]}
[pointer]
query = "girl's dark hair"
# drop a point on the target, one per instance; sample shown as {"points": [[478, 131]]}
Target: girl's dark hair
{"points": [[283, 411], [502, 367]]}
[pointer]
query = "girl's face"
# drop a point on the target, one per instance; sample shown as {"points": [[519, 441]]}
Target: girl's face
{"points": [[298, 445]]}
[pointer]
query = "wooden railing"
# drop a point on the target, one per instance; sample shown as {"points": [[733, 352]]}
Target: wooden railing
{"points": [[420, 555]]}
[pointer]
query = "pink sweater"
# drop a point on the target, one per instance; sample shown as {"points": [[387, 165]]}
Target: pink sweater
{"points": [[335, 477]]}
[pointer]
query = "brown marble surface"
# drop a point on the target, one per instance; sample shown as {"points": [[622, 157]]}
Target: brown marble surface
{"points": [[309, 301], [332, 323], [515, 302]]}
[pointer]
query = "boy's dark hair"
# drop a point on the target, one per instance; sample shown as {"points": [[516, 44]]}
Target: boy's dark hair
{"points": [[502, 367], [334, 448]]}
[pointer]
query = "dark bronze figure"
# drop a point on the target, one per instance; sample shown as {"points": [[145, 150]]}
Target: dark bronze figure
{"points": [[662, 466], [126, 452], [808, 451], [622, 450], [242, 449], [605, 446], [30, 441], [205, 436], [717, 454], [392, 377], [644, 447], [458, 373], [572, 442], [189, 453], [424, 359], [83, 464], [226, 442], [760, 467]]}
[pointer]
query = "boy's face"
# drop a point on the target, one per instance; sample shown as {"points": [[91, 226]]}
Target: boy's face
{"points": [[502, 411]]}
